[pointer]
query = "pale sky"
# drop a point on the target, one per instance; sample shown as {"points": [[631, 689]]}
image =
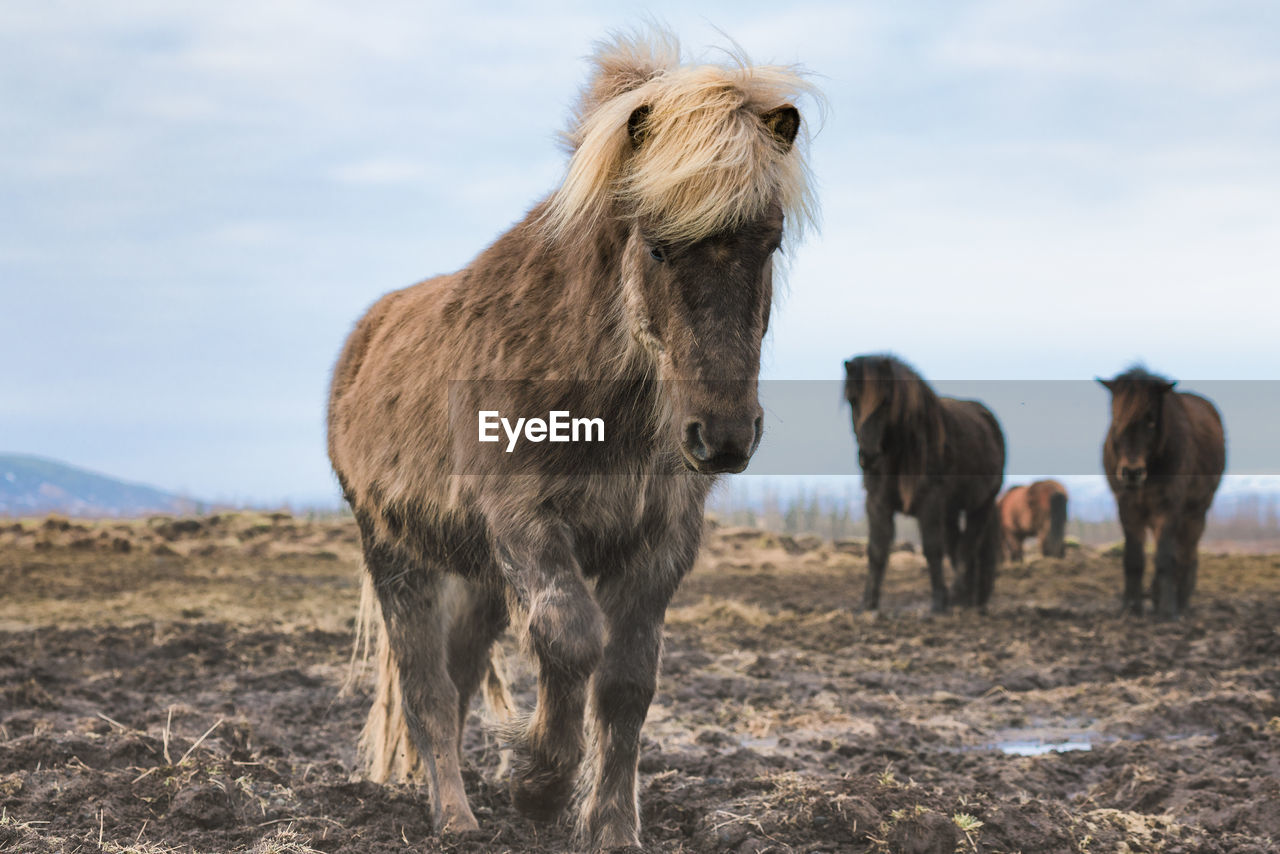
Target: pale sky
{"points": [[197, 200]]}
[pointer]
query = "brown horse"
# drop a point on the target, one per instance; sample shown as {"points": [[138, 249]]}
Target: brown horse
{"points": [[1164, 456], [1038, 510], [647, 275], [934, 458]]}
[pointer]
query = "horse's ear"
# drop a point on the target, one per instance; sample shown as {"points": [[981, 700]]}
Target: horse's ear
{"points": [[848, 365], [1110, 384], [1169, 386], [638, 125], [784, 123]]}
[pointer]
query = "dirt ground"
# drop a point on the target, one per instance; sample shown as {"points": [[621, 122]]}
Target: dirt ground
{"points": [[174, 685]]}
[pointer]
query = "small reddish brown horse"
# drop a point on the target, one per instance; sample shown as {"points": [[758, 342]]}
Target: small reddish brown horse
{"points": [[934, 458], [1038, 510], [1164, 456], [647, 276]]}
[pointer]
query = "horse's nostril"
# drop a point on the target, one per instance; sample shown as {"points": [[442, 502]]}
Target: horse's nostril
{"points": [[720, 443], [694, 442]]}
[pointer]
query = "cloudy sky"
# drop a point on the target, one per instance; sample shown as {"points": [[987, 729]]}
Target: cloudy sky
{"points": [[197, 200]]}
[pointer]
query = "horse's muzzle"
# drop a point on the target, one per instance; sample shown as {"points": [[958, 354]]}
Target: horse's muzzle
{"points": [[717, 445]]}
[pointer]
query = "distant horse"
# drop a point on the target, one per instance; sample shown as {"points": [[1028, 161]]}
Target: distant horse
{"points": [[1164, 456], [1038, 510], [934, 458], [647, 276]]}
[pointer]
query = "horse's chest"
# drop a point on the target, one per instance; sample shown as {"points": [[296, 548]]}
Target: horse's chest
{"points": [[1149, 502], [625, 516]]}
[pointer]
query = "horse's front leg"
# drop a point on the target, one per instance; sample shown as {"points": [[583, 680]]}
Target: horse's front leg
{"points": [[1134, 526], [879, 541], [565, 632], [634, 605], [1189, 533], [1167, 571]]}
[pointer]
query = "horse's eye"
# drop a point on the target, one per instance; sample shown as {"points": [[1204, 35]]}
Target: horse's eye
{"points": [[656, 253]]}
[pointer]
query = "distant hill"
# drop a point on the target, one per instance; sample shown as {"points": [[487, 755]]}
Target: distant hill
{"points": [[32, 486]]}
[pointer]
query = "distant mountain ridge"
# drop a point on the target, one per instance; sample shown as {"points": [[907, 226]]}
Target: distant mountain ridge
{"points": [[31, 486]]}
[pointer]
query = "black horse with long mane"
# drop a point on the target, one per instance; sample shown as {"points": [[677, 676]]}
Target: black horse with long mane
{"points": [[935, 458]]}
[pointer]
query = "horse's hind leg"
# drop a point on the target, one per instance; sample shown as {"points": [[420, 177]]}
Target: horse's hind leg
{"points": [[415, 615], [979, 547], [1187, 584], [565, 632], [479, 616], [953, 540], [985, 521]]}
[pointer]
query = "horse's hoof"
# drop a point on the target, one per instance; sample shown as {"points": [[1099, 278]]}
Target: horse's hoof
{"points": [[615, 840], [459, 823], [541, 797]]}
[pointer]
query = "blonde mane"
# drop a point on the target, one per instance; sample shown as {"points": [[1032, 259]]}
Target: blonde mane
{"points": [[707, 162]]}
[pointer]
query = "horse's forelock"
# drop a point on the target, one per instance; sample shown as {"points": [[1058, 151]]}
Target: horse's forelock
{"points": [[707, 162], [1132, 394], [868, 400], [1128, 405]]}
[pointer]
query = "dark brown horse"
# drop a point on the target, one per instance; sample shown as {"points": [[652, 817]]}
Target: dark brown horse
{"points": [[1038, 510], [934, 458], [1164, 456], [648, 276]]}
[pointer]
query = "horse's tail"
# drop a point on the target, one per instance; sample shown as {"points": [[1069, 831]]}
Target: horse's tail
{"points": [[1055, 541], [386, 749]]}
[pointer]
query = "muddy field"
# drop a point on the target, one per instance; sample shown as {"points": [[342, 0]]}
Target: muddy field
{"points": [[174, 685]]}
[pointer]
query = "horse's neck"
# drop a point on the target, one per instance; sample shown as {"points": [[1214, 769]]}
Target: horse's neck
{"points": [[561, 304]]}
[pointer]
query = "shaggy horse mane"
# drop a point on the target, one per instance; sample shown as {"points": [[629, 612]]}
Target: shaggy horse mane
{"points": [[707, 161], [1132, 392], [913, 404], [915, 414]]}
